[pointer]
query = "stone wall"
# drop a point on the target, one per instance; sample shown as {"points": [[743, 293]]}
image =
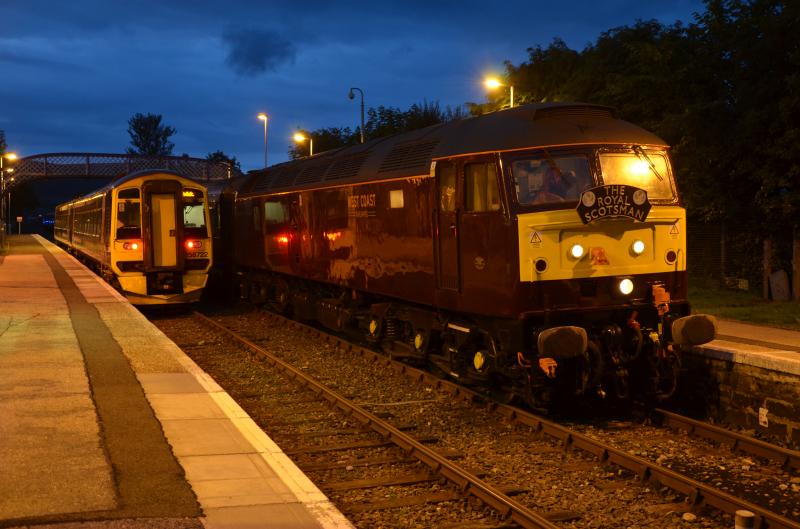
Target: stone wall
{"points": [[762, 402]]}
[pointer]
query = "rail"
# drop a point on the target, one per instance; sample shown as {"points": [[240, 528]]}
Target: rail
{"points": [[467, 482], [788, 459], [696, 492]]}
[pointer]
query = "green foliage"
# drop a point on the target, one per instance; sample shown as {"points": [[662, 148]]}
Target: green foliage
{"points": [[221, 157], [381, 121], [724, 91], [148, 136]]}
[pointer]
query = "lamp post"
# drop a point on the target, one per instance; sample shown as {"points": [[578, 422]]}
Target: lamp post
{"points": [[493, 82], [263, 117], [10, 156], [299, 137], [351, 96]]}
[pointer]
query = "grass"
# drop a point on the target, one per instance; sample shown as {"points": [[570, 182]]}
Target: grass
{"points": [[743, 306]]}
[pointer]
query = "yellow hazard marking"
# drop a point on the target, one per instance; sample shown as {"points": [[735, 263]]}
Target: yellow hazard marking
{"points": [[535, 238], [674, 230]]}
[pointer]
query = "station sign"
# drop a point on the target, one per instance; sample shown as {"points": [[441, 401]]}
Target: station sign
{"points": [[613, 200]]}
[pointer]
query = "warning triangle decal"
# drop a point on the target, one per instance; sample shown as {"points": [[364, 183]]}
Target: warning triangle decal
{"points": [[674, 230], [535, 239]]}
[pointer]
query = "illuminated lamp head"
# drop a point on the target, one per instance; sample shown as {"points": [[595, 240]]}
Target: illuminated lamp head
{"points": [[625, 286], [577, 251], [638, 247]]}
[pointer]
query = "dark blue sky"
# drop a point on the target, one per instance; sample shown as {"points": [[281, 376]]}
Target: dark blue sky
{"points": [[73, 72]]}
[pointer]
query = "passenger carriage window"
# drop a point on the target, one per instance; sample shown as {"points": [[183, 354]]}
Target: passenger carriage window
{"points": [[551, 179], [447, 187], [480, 187]]}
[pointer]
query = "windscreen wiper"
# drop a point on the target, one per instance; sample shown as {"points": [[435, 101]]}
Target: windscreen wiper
{"points": [[638, 151]]}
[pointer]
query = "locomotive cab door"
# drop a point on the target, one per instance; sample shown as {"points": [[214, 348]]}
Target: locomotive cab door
{"points": [[163, 225], [448, 277]]}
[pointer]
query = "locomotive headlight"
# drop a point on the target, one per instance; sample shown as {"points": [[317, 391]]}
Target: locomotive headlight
{"points": [[577, 251], [625, 286], [193, 245], [637, 247], [131, 246]]}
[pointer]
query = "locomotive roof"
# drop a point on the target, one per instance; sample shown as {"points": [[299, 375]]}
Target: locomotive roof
{"points": [[410, 154]]}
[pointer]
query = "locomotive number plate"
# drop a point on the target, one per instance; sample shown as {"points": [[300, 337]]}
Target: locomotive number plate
{"points": [[196, 255], [613, 201]]}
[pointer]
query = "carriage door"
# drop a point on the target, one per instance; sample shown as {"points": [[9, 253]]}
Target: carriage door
{"points": [[163, 199], [447, 273]]}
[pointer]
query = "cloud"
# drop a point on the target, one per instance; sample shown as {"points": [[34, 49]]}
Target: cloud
{"points": [[254, 51]]}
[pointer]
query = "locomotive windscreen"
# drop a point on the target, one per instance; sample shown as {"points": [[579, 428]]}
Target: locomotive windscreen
{"points": [[551, 179], [645, 170]]}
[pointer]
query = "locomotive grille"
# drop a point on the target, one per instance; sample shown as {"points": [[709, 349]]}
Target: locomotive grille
{"points": [[285, 177], [313, 173], [264, 181], [346, 167], [408, 156]]}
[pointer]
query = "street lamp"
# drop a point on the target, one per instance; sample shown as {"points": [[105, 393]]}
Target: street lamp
{"points": [[352, 96], [493, 82], [263, 117], [9, 156], [299, 137]]}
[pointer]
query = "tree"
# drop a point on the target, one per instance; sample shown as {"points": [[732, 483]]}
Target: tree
{"points": [[381, 121], [219, 156], [149, 136]]}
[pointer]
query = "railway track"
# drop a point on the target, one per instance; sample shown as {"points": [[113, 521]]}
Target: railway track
{"points": [[439, 466], [696, 492]]}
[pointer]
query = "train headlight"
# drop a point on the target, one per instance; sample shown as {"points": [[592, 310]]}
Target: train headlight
{"points": [[637, 247], [625, 286], [577, 251], [193, 245], [131, 245]]}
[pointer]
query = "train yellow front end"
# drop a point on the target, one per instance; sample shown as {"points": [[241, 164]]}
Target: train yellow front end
{"points": [[610, 272], [153, 232]]}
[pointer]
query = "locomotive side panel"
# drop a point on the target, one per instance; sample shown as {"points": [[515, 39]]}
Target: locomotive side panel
{"points": [[375, 237]]}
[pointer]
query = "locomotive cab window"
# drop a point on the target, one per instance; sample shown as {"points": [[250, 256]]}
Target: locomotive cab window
{"points": [[551, 179], [481, 192], [194, 213], [129, 216], [646, 170], [275, 213], [447, 187]]}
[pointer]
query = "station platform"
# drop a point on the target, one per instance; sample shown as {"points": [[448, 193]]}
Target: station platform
{"points": [[756, 345], [105, 423]]}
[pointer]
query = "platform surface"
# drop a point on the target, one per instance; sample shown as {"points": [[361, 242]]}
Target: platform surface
{"points": [[104, 422], [756, 345]]}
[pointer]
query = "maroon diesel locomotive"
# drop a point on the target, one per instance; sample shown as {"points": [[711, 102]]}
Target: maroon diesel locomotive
{"points": [[533, 251]]}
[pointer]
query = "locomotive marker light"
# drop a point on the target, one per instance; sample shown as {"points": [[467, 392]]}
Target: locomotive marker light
{"points": [[493, 82], [625, 286], [299, 137], [637, 247], [193, 245], [577, 251]]}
